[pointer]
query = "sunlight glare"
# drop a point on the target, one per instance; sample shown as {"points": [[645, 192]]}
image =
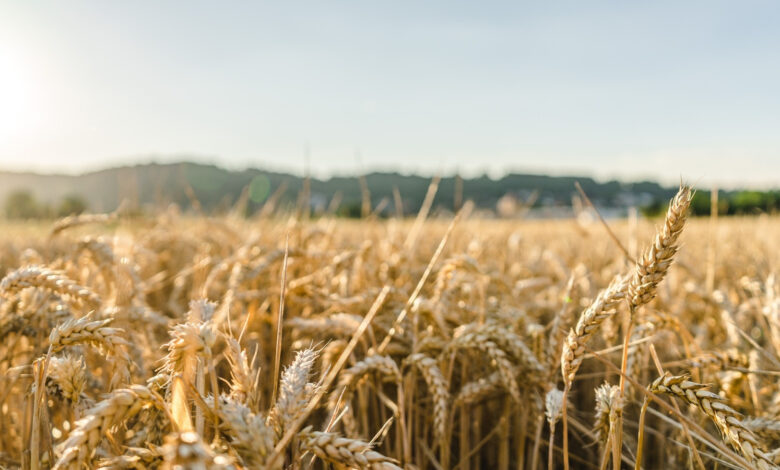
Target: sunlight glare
{"points": [[16, 94]]}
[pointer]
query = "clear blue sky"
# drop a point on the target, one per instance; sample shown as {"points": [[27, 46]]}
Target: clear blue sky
{"points": [[607, 88]]}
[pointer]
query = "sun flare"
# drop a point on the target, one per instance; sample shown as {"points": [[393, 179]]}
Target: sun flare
{"points": [[16, 94]]}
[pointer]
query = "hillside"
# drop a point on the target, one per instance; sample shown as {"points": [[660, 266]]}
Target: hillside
{"points": [[217, 188]]}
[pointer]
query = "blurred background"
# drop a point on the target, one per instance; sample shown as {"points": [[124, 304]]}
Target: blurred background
{"points": [[355, 108]]}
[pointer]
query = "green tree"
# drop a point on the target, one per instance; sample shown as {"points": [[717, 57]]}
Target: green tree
{"points": [[22, 204], [72, 204]]}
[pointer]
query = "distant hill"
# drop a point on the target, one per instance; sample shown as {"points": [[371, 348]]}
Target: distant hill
{"points": [[218, 189]]}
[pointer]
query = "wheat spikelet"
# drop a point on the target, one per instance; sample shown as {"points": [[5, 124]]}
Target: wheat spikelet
{"points": [[201, 310], [85, 330], [135, 458], [553, 406], [103, 256], [339, 450], [431, 345], [604, 306], [655, 262], [295, 390], [81, 219], [383, 365], [715, 407], [497, 356], [120, 405], [608, 406], [189, 340], [244, 379], [508, 341], [97, 334], [722, 359], [186, 451], [437, 386], [767, 429], [68, 375], [51, 280], [479, 390], [248, 433], [338, 325]]}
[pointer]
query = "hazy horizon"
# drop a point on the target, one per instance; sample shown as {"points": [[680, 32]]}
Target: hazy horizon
{"points": [[604, 89]]}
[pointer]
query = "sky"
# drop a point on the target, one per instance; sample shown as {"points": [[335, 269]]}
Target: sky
{"points": [[662, 90]]}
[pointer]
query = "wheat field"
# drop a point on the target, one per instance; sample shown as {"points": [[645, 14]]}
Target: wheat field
{"points": [[184, 342]]}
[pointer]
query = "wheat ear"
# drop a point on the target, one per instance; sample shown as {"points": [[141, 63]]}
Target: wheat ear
{"points": [[248, 433], [604, 306], [652, 267], [51, 280], [437, 385], [120, 405], [477, 390], [339, 450], [186, 451], [482, 342], [97, 334], [716, 408], [295, 391]]}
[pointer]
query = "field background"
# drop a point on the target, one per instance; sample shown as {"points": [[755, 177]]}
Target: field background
{"points": [[441, 399]]}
